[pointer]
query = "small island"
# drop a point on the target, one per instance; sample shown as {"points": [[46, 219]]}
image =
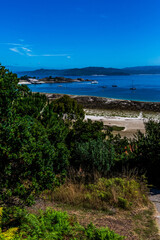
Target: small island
{"points": [[32, 80]]}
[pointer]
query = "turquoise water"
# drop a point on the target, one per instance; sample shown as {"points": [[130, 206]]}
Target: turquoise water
{"points": [[147, 87]]}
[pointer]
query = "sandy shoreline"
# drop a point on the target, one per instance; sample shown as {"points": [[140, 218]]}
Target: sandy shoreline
{"points": [[123, 113], [131, 125]]}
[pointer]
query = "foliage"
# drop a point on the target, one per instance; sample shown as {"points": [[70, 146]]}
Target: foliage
{"points": [[56, 129], [25, 77], [8, 93], [94, 155], [68, 108], [52, 224], [92, 233], [145, 152], [47, 225], [82, 131], [27, 158], [117, 192], [57, 132], [31, 152], [31, 104], [114, 128], [10, 233]]}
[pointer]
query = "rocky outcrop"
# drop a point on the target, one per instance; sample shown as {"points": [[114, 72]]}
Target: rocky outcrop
{"points": [[108, 103], [61, 80]]}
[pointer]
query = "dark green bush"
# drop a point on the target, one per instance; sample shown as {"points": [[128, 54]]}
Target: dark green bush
{"points": [[51, 225], [31, 104], [31, 152], [145, 152], [68, 108], [26, 158], [94, 155]]}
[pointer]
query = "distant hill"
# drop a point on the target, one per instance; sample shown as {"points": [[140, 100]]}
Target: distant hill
{"points": [[142, 70], [88, 71]]}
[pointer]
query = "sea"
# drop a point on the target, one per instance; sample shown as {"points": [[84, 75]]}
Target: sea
{"points": [[147, 87]]}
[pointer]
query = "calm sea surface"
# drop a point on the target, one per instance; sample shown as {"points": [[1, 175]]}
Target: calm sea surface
{"points": [[147, 87]]}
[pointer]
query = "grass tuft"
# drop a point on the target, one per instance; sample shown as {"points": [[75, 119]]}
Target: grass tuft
{"points": [[104, 193]]}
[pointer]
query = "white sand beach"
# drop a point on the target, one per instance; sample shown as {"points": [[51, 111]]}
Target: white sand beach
{"points": [[132, 125]]}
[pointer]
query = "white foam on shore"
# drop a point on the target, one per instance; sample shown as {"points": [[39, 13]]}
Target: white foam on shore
{"points": [[116, 118]]}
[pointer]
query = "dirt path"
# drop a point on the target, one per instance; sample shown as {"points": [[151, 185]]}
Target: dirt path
{"points": [[155, 198]]}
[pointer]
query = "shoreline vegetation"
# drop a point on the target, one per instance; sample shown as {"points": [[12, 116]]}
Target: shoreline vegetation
{"points": [[30, 80], [125, 117], [93, 102], [55, 155]]}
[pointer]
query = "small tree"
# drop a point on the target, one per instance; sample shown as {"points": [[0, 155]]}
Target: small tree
{"points": [[145, 154], [94, 155], [26, 159], [8, 93], [68, 108]]}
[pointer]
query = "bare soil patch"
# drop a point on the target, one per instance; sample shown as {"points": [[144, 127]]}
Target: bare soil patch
{"points": [[135, 225]]}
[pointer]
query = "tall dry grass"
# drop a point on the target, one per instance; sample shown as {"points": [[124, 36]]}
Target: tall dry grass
{"points": [[100, 193]]}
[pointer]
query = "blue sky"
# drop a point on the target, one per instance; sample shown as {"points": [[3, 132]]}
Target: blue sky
{"points": [[79, 33]]}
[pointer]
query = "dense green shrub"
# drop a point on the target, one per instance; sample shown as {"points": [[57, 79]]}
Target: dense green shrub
{"points": [[8, 93], [92, 233], [68, 108], [56, 129], [10, 233], [94, 155], [119, 192], [51, 225], [145, 152], [26, 158], [82, 131], [31, 104], [31, 151]]}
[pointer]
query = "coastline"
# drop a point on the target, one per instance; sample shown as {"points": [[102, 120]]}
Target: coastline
{"points": [[92, 102], [131, 115]]}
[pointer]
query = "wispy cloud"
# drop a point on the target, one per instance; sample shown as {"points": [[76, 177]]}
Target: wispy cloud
{"points": [[16, 50], [20, 49], [13, 44], [26, 50], [54, 55], [46, 55]]}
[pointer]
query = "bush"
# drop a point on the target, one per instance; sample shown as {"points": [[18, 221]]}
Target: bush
{"points": [[120, 192], [117, 192], [8, 93], [29, 103], [94, 155], [93, 233], [26, 159], [68, 108], [145, 154], [30, 154], [10, 233], [52, 224], [82, 131]]}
